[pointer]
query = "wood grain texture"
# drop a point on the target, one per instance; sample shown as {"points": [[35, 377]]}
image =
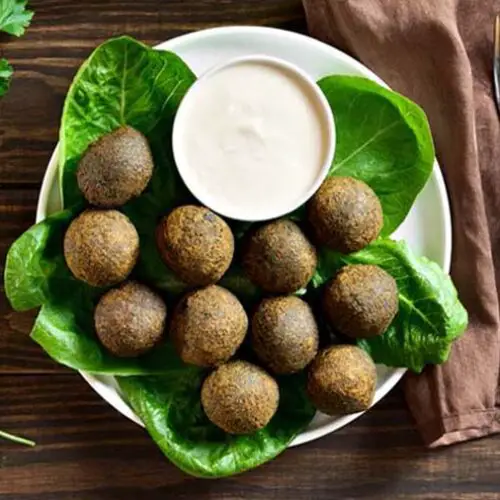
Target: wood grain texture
{"points": [[86, 450]]}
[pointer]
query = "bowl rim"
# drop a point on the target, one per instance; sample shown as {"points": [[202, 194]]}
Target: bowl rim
{"points": [[181, 122], [49, 178]]}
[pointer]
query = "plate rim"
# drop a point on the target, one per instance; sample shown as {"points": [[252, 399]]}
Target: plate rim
{"points": [[194, 37]]}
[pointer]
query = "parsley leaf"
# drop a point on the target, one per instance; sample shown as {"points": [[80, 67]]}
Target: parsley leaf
{"points": [[14, 18], [5, 74]]}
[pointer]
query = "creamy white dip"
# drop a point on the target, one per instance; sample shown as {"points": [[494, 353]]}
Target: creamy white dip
{"points": [[253, 139]]}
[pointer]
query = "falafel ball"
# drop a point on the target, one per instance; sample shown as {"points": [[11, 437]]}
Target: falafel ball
{"points": [[239, 397], [116, 168], [196, 244], [130, 320], [208, 325], [101, 247], [342, 380], [279, 258], [345, 214], [284, 334], [361, 301]]}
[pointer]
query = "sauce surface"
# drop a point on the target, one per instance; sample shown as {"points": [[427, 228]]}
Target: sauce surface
{"points": [[254, 137]]}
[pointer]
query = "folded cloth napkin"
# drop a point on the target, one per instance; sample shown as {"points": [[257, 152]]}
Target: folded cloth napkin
{"points": [[439, 53]]}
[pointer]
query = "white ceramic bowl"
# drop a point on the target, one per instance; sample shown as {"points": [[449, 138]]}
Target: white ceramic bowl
{"points": [[427, 229], [271, 207]]}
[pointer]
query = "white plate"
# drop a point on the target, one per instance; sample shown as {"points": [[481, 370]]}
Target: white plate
{"points": [[427, 229]]}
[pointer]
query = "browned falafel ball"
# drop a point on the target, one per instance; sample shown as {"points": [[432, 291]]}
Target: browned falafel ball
{"points": [[345, 214], [361, 301], [116, 168], [284, 334], [239, 397], [196, 244], [341, 380], [208, 325], [130, 320], [101, 247], [279, 258]]}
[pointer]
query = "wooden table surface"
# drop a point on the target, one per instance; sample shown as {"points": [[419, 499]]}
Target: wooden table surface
{"points": [[85, 449]]}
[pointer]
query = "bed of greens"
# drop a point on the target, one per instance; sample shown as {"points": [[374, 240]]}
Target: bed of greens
{"points": [[383, 139]]}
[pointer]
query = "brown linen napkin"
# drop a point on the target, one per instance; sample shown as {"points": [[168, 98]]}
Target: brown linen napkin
{"points": [[439, 53]]}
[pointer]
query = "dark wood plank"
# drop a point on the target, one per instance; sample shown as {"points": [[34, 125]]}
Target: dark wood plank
{"points": [[63, 35], [87, 450]]}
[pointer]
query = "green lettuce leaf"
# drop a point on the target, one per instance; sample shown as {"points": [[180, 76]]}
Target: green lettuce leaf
{"points": [[14, 17], [125, 82], [5, 76], [35, 270], [171, 410], [383, 139], [430, 314], [66, 333]]}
